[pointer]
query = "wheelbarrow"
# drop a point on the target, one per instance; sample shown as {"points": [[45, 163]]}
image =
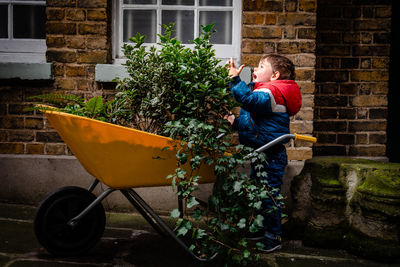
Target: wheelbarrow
{"points": [[71, 220]]}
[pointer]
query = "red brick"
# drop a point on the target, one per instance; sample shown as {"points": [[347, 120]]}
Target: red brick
{"points": [[357, 126], [299, 154], [261, 5], [55, 13], [252, 46], [369, 76], [77, 42], [369, 101], [297, 19], [92, 3], [20, 136], [92, 57], [368, 151], [65, 56], [11, 148], [85, 28], [34, 148], [75, 70], [11, 122], [65, 84], [60, 28], [51, 137], [34, 123], [55, 149], [61, 3], [97, 43], [308, 5], [96, 14], [75, 14], [55, 41], [262, 32]]}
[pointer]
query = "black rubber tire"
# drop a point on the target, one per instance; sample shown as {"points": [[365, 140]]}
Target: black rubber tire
{"points": [[53, 213]]}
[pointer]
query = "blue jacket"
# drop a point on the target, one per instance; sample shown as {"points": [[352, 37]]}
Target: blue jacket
{"points": [[260, 120]]}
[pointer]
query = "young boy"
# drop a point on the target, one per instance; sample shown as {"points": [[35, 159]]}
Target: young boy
{"points": [[267, 103]]}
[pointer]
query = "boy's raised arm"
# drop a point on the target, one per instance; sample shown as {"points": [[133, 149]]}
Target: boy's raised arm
{"points": [[233, 71]]}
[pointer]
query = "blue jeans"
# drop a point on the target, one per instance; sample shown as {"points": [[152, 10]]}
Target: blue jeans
{"points": [[275, 168]]}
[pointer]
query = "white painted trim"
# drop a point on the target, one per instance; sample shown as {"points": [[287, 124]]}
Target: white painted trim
{"points": [[108, 72], [222, 51], [26, 71], [21, 50]]}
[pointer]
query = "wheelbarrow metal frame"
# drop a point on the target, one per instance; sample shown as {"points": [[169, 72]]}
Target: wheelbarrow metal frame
{"points": [[149, 214]]}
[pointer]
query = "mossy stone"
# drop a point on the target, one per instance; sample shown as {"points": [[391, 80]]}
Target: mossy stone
{"points": [[376, 249], [352, 204]]}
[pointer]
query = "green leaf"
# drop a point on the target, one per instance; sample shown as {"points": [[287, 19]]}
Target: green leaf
{"points": [[242, 223], [94, 105], [200, 233], [208, 28], [237, 186], [175, 213], [192, 202], [182, 231], [259, 220]]}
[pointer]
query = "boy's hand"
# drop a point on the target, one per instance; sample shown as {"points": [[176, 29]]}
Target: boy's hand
{"points": [[233, 71], [230, 117]]}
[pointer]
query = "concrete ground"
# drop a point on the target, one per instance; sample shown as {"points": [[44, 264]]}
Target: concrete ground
{"points": [[129, 241]]}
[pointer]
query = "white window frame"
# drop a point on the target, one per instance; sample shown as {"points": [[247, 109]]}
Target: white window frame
{"points": [[21, 50], [222, 51]]}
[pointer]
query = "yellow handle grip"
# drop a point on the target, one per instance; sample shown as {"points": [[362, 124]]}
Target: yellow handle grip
{"points": [[305, 138]]}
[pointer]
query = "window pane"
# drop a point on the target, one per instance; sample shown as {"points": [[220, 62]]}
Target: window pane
{"points": [[141, 2], [223, 25], [3, 21], [178, 2], [29, 21], [215, 2], [142, 21], [184, 23]]}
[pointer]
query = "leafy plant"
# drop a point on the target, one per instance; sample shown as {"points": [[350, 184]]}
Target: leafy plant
{"points": [[173, 82], [235, 207], [94, 107], [183, 93]]}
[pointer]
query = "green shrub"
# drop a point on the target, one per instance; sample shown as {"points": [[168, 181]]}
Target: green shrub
{"points": [[183, 93]]}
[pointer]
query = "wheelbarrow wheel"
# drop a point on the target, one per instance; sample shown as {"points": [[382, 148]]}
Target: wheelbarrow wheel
{"points": [[53, 213]]}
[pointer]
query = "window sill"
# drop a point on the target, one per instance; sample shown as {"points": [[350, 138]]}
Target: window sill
{"points": [[108, 72], [26, 71]]}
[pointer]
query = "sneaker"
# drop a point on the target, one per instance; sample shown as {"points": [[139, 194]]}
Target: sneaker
{"points": [[255, 236], [271, 244]]}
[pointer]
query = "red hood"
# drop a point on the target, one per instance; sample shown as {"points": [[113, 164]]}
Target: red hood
{"points": [[285, 92]]}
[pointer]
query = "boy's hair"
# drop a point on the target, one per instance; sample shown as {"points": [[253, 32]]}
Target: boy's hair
{"points": [[281, 64]]}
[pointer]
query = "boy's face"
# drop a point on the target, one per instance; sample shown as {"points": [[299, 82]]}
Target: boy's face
{"points": [[264, 72]]}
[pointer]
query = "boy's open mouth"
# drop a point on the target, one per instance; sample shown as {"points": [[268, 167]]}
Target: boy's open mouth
{"points": [[254, 76]]}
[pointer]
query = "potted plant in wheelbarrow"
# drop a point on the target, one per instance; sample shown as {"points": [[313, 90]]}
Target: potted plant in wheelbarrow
{"points": [[181, 94]]}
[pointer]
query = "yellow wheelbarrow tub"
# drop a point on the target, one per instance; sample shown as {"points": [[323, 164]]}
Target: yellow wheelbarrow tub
{"points": [[117, 156]]}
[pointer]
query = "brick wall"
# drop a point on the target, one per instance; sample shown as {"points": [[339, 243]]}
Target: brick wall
{"points": [[77, 38], [353, 46], [341, 53], [287, 28]]}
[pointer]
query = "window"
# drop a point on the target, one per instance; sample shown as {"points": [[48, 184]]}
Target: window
{"points": [[22, 31], [147, 16]]}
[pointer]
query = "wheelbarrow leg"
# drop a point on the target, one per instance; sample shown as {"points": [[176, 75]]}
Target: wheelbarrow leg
{"points": [[137, 204], [73, 222], [93, 185], [160, 223]]}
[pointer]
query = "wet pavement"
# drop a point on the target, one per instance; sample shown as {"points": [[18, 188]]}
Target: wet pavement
{"points": [[129, 241]]}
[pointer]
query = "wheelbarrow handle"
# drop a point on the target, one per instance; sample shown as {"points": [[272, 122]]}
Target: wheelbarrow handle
{"points": [[282, 138], [305, 138]]}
